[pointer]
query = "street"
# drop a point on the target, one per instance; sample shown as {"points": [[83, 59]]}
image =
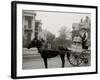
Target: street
{"points": [[36, 62]]}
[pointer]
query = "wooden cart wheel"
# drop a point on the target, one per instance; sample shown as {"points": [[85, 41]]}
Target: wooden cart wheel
{"points": [[85, 56], [74, 59]]}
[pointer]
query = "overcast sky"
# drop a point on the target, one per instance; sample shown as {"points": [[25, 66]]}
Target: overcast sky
{"points": [[53, 21]]}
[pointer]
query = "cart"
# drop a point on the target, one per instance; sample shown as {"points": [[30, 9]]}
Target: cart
{"points": [[78, 55]]}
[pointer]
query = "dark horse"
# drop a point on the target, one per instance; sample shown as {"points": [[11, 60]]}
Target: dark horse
{"points": [[47, 53]]}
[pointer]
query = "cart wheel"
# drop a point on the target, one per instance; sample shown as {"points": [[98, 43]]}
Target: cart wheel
{"points": [[74, 59], [86, 61], [85, 57]]}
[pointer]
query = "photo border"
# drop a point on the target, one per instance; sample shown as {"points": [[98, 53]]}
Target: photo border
{"points": [[14, 38]]}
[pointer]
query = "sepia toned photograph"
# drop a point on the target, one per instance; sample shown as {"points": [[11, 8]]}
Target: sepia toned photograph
{"points": [[53, 39], [56, 39]]}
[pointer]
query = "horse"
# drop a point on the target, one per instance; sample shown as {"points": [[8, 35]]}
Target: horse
{"points": [[47, 53]]}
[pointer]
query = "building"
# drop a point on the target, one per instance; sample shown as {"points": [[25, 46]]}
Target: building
{"points": [[30, 30], [38, 29], [28, 22], [79, 29], [75, 31], [85, 25]]}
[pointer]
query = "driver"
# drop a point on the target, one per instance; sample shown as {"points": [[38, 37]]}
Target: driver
{"points": [[84, 40]]}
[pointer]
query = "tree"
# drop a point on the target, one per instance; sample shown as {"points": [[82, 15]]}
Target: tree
{"points": [[50, 37], [63, 34]]}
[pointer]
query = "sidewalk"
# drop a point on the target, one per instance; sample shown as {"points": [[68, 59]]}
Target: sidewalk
{"points": [[30, 53]]}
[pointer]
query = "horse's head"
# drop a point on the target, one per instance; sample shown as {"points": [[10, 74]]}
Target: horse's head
{"points": [[32, 44], [35, 43]]}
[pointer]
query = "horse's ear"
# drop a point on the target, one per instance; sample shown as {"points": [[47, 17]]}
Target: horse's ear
{"points": [[29, 45]]}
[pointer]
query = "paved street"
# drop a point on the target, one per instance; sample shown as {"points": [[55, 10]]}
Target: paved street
{"points": [[36, 62]]}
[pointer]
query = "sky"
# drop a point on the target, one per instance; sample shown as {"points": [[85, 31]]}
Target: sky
{"points": [[53, 21]]}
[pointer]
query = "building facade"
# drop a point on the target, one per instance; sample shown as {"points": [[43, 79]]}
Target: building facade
{"points": [[38, 29], [28, 26], [84, 26]]}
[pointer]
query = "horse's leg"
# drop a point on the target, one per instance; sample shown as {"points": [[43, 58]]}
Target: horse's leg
{"points": [[45, 62], [62, 56]]}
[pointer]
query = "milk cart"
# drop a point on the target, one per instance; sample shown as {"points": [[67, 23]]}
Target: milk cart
{"points": [[78, 55]]}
